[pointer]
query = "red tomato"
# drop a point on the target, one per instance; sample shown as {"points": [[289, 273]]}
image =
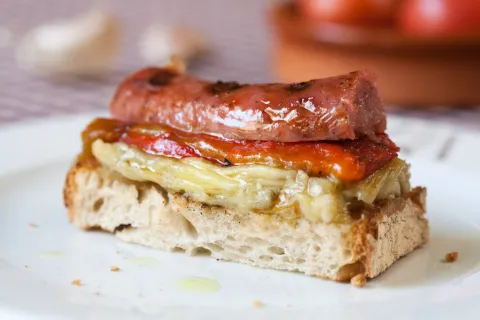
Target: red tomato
{"points": [[349, 11], [440, 17]]}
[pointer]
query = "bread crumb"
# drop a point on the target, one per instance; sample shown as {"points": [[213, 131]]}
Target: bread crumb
{"points": [[257, 304], [118, 252], [97, 293], [32, 225], [26, 266], [359, 280], [77, 282], [451, 257], [114, 269]]}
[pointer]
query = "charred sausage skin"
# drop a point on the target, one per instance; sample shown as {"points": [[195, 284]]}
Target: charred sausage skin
{"points": [[336, 108]]}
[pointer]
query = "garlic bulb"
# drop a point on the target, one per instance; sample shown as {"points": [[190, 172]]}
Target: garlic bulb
{"points": [[159, 43], [86, 45]]}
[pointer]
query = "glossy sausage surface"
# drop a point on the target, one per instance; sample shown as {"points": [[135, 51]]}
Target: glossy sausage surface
{"points": [[337, 108]]}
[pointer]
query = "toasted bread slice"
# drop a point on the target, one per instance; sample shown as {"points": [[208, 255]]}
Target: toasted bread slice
{"points": [[146, 214]]}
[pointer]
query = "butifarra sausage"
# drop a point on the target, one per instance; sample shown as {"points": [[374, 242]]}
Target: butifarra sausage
{"points": [[336, 108]]}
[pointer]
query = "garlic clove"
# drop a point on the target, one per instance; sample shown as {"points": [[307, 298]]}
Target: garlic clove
{"points": [[159, 43], [86, 45]]}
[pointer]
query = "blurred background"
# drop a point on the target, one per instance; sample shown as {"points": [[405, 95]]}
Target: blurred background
{"points": [[64, 57]]}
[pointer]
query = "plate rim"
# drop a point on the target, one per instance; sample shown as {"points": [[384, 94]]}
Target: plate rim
{"points": [[65, 121]]}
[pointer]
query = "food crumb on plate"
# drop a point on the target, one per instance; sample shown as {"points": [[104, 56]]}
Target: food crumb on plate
{"points": [[359, 280], [451, 257], [26, 266], [257, 304], [77, 282], [114, 269], [117, 252], [97, 293], [32, 225]]}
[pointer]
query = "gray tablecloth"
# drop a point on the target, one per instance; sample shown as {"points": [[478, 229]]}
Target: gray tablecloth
{"points": [[237, 32]]}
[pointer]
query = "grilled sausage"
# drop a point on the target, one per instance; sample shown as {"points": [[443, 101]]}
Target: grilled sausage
{"points": [[337, 108]]}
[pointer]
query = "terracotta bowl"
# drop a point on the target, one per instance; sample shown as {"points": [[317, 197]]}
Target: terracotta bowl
{"points": [[410, 71]]}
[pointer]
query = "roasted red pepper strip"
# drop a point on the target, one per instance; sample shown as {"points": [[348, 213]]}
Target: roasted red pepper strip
{"points": [[349, 161]]}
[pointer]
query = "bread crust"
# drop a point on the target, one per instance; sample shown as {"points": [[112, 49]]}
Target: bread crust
{"points": [[146, 214]]}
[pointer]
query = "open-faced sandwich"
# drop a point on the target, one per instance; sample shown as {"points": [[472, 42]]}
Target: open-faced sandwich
{"points": [[297, 177]]}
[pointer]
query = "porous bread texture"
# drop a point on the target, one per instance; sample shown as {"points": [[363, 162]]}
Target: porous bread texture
{"points": [[145, 214]]}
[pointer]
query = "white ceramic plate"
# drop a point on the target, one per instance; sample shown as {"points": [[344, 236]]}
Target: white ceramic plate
{"points": [[34, 158]]}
